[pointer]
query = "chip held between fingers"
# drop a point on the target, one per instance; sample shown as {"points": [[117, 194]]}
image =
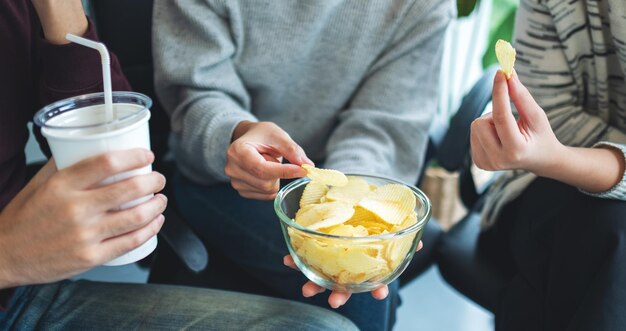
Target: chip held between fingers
{"points": [[325, 176], [505, 53]]}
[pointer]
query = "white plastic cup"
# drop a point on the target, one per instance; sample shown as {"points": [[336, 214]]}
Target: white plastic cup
{"points": [[77, 128]]}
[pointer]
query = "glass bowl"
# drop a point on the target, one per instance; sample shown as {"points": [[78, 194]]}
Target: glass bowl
{"points": [[352, 264]]}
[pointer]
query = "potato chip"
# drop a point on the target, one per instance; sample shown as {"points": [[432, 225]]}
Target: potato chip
{"points": [[296, 237], [324, 215], [351, 193], [344, 277], [374, 227], [345, 230], [313, 194], [364, 218], [325, 176], [506, 57], [392, 203], [322, 257], [304, 216], [398, 249], [360, 216], [408, 221], [357, 260], [373, 275]]}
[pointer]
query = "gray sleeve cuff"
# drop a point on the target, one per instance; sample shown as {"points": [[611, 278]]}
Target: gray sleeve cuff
{"points": [[617, 192], [202, 145]]}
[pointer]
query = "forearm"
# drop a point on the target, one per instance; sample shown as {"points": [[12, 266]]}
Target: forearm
{"points": [[209, 125], [6, 274], [197, 83], [61, 17], [589, 169]]}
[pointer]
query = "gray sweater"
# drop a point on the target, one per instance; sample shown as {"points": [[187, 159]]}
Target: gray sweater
{"points": [[353, 82]]}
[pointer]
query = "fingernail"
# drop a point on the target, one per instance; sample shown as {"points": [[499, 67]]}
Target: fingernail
{"points": [[305, 160], [149, 156], [164, 182], [500, 75]]}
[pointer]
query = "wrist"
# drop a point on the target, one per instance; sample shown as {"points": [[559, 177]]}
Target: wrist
{"points": [[612, 155], [555, 161], [589, 169], [241, 129]]}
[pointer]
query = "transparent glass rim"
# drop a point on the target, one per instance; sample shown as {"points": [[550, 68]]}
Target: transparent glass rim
{"points": [[282, 193], [59, 107]]}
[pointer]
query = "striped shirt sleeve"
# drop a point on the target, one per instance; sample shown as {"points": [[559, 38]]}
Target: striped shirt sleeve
{"points": [[555, 65], [617, 192]]}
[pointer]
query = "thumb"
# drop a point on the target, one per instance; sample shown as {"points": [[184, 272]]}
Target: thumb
{"points": [[277, 169], [39, 179], [528, 109]]}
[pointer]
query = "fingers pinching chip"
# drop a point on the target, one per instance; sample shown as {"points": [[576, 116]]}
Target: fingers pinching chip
{"points": [[505, 53], [325, 176]]}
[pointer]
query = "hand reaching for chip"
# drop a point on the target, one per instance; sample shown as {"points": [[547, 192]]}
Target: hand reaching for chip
{"points": [[336, 298], [255, 156]]}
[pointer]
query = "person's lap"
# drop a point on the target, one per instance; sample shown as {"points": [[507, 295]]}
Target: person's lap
{"points": [[248, 233], [565, 248], [84, 305]]}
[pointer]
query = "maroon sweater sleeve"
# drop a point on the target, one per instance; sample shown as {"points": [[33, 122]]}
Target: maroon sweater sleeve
{"points": [[70, 70]]}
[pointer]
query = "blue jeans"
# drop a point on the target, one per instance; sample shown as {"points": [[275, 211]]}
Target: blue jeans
{"points": [[247, 232], [84, 305]]}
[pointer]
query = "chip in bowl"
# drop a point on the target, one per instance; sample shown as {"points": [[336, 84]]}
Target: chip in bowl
{"points": [[354, 208], [392, 203], [324, 215], [351, 193], [313, 194]]}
